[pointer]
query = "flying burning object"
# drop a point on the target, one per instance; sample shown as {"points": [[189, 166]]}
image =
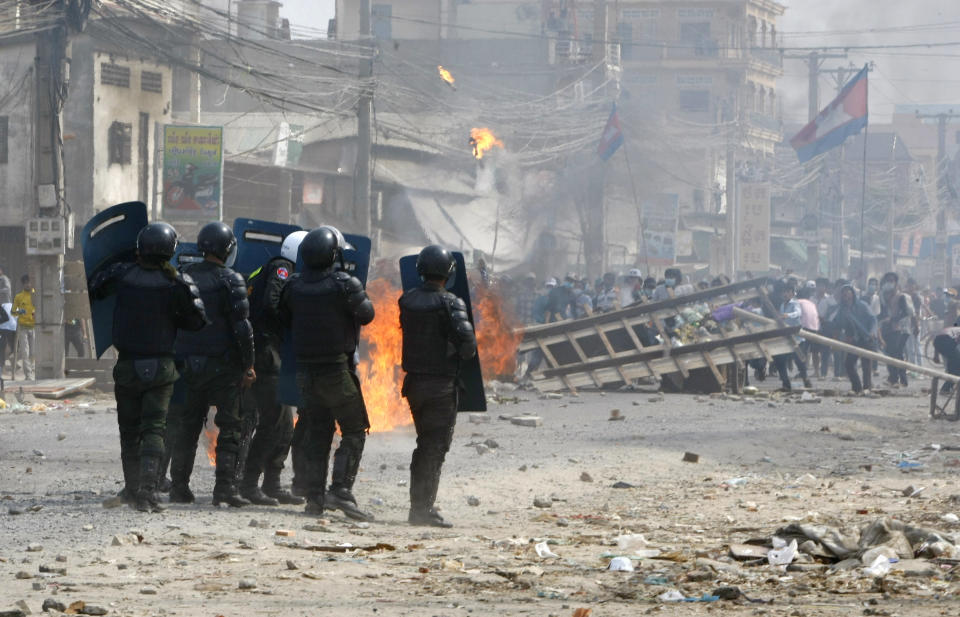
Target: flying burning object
{"points": [[482, 140], [446, 76]]}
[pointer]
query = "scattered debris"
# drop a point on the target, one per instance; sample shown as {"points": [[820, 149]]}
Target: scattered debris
{"points": [[690, 457], [531, 421]]}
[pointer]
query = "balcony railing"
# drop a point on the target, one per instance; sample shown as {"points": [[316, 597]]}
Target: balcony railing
{"points": [[704, 49], [765, 121], [767, 55]]}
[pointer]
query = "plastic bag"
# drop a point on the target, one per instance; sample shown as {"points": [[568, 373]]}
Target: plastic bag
{"points": [[620, 564], [879, 567], [783, 556], [544, 552]]}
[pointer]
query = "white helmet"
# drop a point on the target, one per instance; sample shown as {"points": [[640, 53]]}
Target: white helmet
{"points": [[291, 245]]}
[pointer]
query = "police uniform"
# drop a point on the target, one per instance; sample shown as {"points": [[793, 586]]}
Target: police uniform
{"points": [[153, 302], [271, 441], [324, 310], [437, 336], [215, 359]]}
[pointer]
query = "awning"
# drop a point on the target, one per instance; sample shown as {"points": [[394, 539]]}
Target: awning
{"points": [[472, 226]]}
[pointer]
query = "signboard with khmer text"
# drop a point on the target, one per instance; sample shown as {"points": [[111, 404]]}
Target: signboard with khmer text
{"points": [[753, 229], [192, 172]]}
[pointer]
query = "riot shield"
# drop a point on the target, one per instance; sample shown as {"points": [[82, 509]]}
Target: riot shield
{"points": [[186, 253], [108, 238], [356, 261], [258, 242], [473, 397]]}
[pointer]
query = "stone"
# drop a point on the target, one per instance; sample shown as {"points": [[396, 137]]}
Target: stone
{"points": [[690, 457], [915, 568], [124, 539], [616, 416], [247, 583], [52, 569], [491, 443], [292, 565], [87, 528], [542, 502], [15, 510], [586, 477], [286, 533], [317, 527], [698, 576], [482, 448], [53, 603], [745, 552], [93, 609], [21, 575], [37, 586], [473, 500], [13, 613], [62, 558], [61, 436], [530, 421], [34, 548], [22, 605], [478, 418], [149, 590]]}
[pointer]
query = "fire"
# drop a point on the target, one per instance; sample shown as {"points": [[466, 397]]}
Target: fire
{"points": [[210, 432], [482, 140], [498, 336], [446, 76], [380, 374]]}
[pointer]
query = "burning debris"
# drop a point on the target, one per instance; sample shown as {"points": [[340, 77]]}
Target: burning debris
{"points": [[498, 334], [380, 374], [482, 140], [446, 76]]}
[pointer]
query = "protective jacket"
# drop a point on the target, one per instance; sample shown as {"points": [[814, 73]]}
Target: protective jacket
{"points": [[224, 294], [264, 286], [153, 303], [437, 333], [324, 310]]}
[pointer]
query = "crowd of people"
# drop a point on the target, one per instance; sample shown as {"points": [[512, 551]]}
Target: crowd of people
{"points": [[886, 315]]}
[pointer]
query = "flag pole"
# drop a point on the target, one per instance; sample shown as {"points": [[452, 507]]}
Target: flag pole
{"points": [[636, 203], [863, 194]]}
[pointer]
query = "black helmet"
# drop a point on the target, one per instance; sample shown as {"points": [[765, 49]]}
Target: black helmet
{"points": [[320, 248], [217, 239], [157, 240], [435, 262]]}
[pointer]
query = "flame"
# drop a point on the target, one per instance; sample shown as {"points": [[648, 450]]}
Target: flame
{"points": [[498, 334], [445, 75], [380, 374], [483, 139], [210, 432]]}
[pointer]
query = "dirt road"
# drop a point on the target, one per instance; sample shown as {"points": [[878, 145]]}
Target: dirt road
{"points": [[763, 463]]}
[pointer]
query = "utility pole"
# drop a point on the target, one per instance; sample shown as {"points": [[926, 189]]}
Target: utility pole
{"points": [[891, 259], [942, 261], [814, 61], [52, 57], [361, 172]]}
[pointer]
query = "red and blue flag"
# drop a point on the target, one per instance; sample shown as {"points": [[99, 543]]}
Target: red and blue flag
{"points": [[612, 137], [846, 115]]}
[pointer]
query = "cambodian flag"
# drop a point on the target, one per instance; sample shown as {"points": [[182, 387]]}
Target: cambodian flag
{"points": [[845, 116], [612, 136]]}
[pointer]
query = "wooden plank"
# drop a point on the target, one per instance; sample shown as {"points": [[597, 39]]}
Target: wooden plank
{"points": [[583, 358], [553, 361], [713, 369], [606, 344], [52, 388]]}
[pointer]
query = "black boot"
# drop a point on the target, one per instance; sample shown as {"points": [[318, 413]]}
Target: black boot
{"points": [[346, 464], [427, 518], [250, 490], [130, 459], [273, 488], [342, 499], [224, 489], [314, 505], [148, 499], [181, 467]]}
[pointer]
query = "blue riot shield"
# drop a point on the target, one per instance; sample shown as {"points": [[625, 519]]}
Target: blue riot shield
{"points": [[258, 242], [108, 238], [356, 261], [472, 397]]}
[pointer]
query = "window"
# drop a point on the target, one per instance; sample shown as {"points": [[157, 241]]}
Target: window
{"points": [[694, 32], [114, 75], [151, 82], [120, 142], [4, 134], [381, 24], [694, 100]]}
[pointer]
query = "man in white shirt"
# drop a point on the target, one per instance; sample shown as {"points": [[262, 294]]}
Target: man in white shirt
{"points": [[8, 334]]}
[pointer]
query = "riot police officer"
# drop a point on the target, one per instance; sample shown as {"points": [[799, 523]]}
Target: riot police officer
{"points": [[437, 336], [274, 432], [324, 309], [153, 302], [218, 364]]}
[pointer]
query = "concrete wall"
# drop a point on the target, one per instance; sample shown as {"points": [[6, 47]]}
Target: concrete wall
{"points": [[114, 183], [16, 102]]}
